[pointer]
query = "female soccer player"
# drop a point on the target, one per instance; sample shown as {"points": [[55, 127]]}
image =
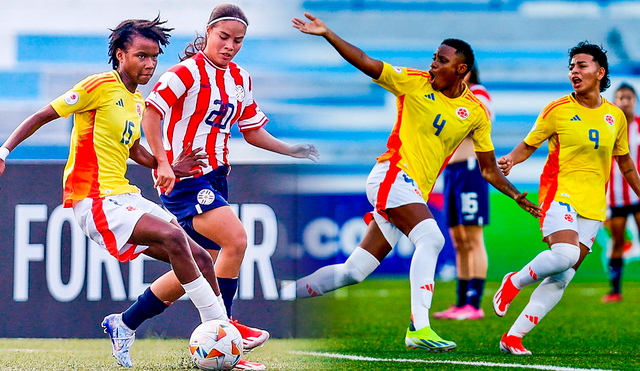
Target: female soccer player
{"points": [[436, 111], [466, 201], [621, 199], [107, 111], [584, 131], [200, 99]]}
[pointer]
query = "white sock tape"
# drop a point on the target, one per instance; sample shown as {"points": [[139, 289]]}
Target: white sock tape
{"points": [[4, 152]]}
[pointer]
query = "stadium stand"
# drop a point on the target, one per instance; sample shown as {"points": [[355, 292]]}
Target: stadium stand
{"points": [[307, 90]]}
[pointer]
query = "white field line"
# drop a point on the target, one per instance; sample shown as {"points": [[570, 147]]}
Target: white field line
{"points": [[465, 363]]}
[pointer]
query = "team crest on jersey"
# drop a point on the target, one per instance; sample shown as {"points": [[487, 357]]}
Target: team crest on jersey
{"points": [[139, 109], [397, 69], [206, 197], [609, 119], [240, 93], [462, 112], [71, 98]]}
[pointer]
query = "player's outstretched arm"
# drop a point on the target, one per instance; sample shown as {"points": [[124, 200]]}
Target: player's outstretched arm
{"points": [[29, 126], [629, 171], [152, 126], [495, 177], [263, 139], [359, 59], [519, 154]]}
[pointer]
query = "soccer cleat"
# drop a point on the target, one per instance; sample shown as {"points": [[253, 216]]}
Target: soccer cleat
{"points": [[504, 295], [251, 337], [121, 338], [469, 312], [513, 344], [447, 314], [612, 298], [426, 338], [243, 364]]}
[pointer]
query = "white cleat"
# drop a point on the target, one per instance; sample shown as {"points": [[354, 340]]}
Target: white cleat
{"points": [[121, 338]]}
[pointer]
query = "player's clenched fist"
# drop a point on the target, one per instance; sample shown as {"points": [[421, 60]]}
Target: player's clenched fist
{"points": [[505, 163]]}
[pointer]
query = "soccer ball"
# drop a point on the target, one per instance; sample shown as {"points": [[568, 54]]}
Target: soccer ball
{"points": [[215, 345]]}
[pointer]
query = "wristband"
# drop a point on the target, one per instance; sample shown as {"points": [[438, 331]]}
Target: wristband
{"points": [[4, 152]]}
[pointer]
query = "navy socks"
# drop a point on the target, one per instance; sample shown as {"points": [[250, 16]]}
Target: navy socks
{"points": [[147, 306], [228, 289]]}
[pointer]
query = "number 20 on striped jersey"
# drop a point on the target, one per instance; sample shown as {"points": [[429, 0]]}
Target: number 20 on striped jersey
{"points": [[221, 117]]}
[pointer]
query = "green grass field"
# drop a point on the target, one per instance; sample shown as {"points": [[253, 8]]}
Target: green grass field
{"points": [[513, 239], [369, 320]]}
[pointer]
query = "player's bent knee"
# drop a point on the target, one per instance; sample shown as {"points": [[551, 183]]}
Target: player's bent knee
{"points": [[427, 234], [175, 240], [235, 243], [359, 266], [561, 280], [439, 241], [239, 244], [352, 275], [566, 254], [203, 259], [463, 247]]}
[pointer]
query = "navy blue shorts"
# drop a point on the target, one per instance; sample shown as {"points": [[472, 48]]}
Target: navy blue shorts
{"points": [[466, 194], [194, 196], [624, 211]]}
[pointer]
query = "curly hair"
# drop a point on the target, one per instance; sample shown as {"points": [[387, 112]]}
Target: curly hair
{"points": [[599, 55], [122, 35]]}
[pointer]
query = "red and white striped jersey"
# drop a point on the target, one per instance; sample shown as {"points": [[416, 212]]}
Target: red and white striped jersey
{"points": [[620, 194], [481, 93], [199, 102]]}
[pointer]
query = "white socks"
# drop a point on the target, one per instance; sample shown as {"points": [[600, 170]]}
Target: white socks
{"points": [[357, 267], [543, 299], [205, 300], [224, 309], [561, 257], [429, 241]]}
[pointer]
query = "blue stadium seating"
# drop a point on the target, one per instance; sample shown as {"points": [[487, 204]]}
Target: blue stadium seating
{"points": [[308, 91]]}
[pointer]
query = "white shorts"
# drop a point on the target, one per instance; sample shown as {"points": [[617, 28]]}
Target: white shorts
{"points": [[110, 221], [562, 216], [387, 187]]}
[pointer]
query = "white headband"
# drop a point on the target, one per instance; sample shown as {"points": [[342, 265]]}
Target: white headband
{"points": [[228, 19]]}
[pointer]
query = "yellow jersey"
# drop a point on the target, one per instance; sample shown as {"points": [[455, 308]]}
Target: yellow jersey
{"points": [[430, 126], [581, 144], [106, 124]]}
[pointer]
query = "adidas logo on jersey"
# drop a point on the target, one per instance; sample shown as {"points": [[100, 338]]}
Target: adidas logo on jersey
{"points": [[431, 96], [120, 103], [575, 118]]}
